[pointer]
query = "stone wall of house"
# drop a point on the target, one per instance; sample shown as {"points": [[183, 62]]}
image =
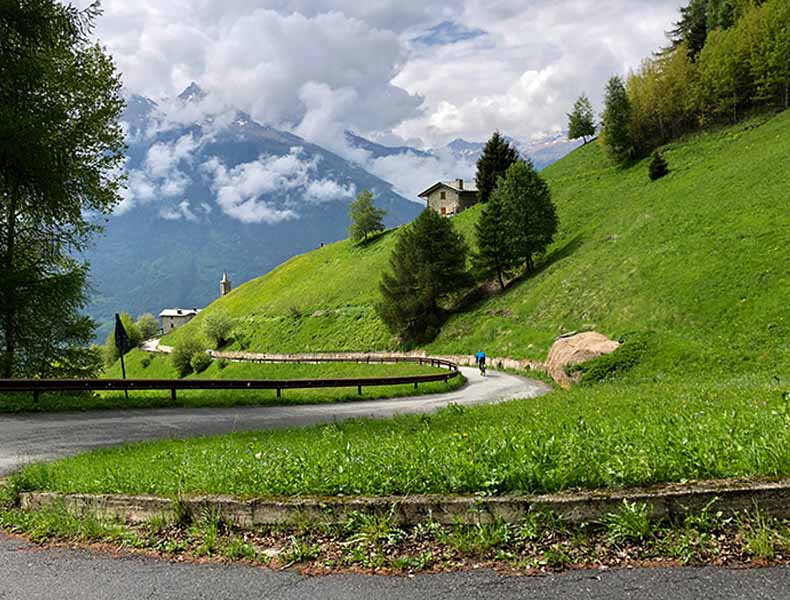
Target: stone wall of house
{"points": [[450, 203]]}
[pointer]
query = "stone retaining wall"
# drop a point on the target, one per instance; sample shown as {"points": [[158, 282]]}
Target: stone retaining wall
{"points": [[730, 497]]}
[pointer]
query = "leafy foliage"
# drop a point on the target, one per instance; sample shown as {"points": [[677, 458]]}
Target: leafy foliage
{"points": [[60, 102], [658, 166], [530, 215], [581, 121], [366, 219], [110, 349], [497, 156], [199, 362], [148, 325], [616, 121], [427, 266], [217, 328], [609, 366], [183, 353]]}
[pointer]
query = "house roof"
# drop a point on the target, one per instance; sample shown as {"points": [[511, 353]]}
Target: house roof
{"points": [[179, 312], [469, 186]]}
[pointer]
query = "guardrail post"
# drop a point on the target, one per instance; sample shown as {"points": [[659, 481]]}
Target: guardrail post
{"points": [[415, 385], [35, 396], [278, 392], [173, 395], [359, 390]]}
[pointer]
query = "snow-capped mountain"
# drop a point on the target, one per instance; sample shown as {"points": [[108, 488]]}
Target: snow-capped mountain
{"points": [[216, 192]]}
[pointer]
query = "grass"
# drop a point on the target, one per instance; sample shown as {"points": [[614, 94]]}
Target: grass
{"points": [[697, 260], [618, 434], [143, 365], [374, 543]]}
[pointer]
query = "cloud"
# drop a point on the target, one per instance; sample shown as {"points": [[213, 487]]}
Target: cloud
{"points": [[240, 191], [180, 211], [411, 173], [426, 71]]}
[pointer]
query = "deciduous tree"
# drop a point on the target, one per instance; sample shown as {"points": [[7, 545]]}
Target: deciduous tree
{"points": [[366, 219], [61, 148], [581, 121]]}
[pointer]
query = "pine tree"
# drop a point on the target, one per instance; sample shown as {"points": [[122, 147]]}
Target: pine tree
{"points": [[497, 156], [494, 247], [427, 266], [616, 122], [366, 219], [530, 213], [658, 166], [581, 121]]}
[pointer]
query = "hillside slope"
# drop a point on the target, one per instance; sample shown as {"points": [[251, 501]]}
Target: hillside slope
{"points": [[697, 260]]}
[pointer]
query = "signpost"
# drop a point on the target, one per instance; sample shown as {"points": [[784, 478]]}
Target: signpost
{"points": [[122, 343]]}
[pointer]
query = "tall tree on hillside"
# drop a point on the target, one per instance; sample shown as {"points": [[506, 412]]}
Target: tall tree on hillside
{"points": [[616, 122], [531, 215], [692, 28], [581, 121], [771, 60], [61, 148], [497, 156], [366, 219], [494, 255], [427, 266]]}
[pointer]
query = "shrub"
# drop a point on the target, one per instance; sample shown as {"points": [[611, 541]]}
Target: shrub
{"points": [[608, 366], [222, 363], [183, 352], [217, 327], [148, 325], [145, 361], [110, 351], [658, 166], [200, 362]]}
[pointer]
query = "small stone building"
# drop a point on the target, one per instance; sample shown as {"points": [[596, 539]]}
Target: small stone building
{"points": [[450, 197], [173, 318]]}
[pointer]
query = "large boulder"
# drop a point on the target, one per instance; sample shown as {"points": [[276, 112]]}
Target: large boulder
{"points": [[575, 349]]}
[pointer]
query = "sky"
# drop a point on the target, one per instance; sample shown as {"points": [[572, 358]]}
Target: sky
{"points": [[397, 71]]}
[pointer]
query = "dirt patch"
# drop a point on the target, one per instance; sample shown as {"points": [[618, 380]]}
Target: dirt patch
{"points": [[575, 349]]}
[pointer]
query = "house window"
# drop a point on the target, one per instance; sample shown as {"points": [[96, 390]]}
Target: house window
{"points": [[443, 195], [444, 209]]}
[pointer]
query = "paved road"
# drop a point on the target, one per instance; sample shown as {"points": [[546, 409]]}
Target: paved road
{"points": [[36, 437], [29, 573]]}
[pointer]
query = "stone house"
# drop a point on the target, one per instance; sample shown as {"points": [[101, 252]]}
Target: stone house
{"points": [[450, 197], [173, 318]]}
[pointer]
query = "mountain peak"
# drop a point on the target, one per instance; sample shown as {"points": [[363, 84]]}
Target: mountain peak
{"points": [[192, 93]]}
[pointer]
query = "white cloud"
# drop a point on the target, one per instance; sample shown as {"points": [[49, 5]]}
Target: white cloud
{"points": [[180, 211], [319, 67], [240, 190], [411, 173]]}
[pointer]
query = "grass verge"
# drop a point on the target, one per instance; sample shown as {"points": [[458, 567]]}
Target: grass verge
{"points": [[608, 435], [143, 365], [539, 543]]}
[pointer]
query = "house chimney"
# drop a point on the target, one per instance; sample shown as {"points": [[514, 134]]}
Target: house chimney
{"points": [[459, 183]]}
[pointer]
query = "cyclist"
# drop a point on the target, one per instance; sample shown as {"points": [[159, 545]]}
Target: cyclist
{"points": [[480, 359]]}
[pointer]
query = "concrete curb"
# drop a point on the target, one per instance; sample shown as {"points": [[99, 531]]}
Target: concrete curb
{"points": [[666, 501]]}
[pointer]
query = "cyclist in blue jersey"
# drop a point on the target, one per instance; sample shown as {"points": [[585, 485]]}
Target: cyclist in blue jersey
{"points": [[480, 359]]}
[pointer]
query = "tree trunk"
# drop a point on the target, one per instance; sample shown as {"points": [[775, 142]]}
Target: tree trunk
{"points": [[9, 305], [501, 280]]}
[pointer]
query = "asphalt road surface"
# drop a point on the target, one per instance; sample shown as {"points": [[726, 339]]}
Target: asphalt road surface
{"points": [[31, 573], [38, 437]]}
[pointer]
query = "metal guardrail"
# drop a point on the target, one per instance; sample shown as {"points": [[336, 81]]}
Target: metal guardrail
{"points": [[85, 385]]}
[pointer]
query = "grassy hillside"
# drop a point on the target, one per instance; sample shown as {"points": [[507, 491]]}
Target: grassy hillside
{"points": [[697, 260]]}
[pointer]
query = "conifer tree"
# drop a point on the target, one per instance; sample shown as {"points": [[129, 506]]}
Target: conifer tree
{"points": [[497, 156], [427, 266], [615, 126], [581, 121], [494, 255], [366, 219], [530, 212]]}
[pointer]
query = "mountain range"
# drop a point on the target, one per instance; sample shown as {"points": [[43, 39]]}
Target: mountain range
{"points": [[211, 190]]}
